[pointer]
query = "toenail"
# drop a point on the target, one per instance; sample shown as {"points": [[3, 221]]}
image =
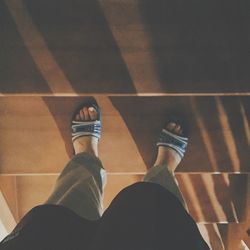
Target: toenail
{"points": [[171, 125], [91, 109], [81, 114]]}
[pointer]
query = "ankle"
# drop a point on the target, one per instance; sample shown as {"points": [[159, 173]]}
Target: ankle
{"points": [[168, 157], [82, 145], [88, 151]]}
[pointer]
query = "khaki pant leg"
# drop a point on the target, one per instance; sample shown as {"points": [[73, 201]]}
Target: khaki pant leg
{"points": [[164, 177], [80, 186]]}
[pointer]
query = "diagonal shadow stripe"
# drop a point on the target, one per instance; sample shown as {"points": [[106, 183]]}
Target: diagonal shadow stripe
{"points": [[145, 117], [19, 73], [202, 191], [130, 146], [238, 184], [9, 192], [228, 136], [222, 140], [131, 35], [215, 237], [79, 38], [188, 190], [37, 47], [6, 219], [231, 235], [226, 198], [204, 135], [245, 119], [199, 46], [238, 130], [63, 116], [212, 235]]}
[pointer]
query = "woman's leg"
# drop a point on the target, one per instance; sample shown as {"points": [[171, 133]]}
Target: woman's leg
{"points": [[166, 162], [80, 185]]}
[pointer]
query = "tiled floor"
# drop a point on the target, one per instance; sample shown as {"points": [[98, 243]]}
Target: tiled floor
{"points": [[142, 61]]}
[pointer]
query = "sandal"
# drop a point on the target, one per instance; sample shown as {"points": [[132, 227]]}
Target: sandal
{"points": [[87, 128], [172, 140]]}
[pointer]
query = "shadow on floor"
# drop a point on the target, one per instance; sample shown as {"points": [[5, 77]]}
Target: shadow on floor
{"points": [[199, 46]]}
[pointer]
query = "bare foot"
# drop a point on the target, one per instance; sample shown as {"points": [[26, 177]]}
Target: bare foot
{"points": [[167, 155], [87, 144]]}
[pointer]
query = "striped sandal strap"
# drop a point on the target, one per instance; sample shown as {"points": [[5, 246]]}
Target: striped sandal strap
{"points": [[171, 140]]}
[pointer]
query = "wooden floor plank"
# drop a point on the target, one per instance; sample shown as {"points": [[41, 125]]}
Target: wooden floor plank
{"points": [[7, 220], [41, 186], [215, 197], [218, 202], [8, 189], [223, 236], [156, 46], [18, 147], [37, 132], [147, 116]]}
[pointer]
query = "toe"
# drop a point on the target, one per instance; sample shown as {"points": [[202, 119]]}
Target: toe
{"points": [[177, 129], [92, 113], [86, 113], [78, 118], [82, 116], [174, 127], [171, 126]]}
